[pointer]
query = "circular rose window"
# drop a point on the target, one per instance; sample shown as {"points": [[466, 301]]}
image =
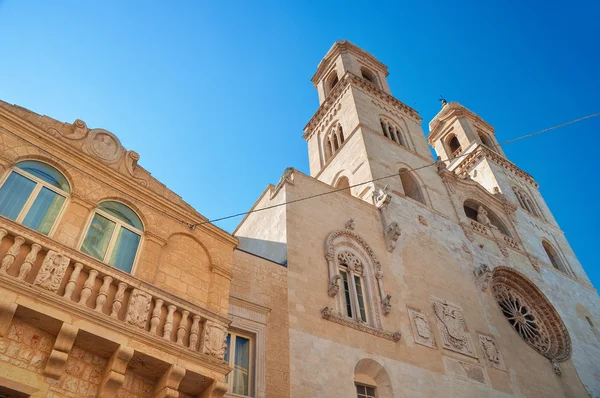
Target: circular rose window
{"points": [[530, 314]]}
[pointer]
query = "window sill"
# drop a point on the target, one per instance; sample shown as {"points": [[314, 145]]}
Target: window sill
{"points": [[328, 314]]}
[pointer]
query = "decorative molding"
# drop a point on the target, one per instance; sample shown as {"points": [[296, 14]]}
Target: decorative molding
{"points": [[492, 354], [483, 275], [52, 272], [327, 313], [392, 233], [247, 310], [453, 328], [421, 328]]}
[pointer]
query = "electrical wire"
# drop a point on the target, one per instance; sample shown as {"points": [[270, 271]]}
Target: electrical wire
{"points": [[395, 174]]}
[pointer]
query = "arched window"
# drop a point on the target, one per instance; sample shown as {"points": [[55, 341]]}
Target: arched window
{"points": [[483, 215], [553, 256], [368, 75], [410, 186], [393, 132], [114, 235], [332, 81], [372, 380], [34, 194], [485, 140], [333, 141], [454, 146], [343, 184], [351, 270], [526, 202]]}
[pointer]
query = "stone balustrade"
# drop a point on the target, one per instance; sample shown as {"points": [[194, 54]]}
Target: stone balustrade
{"points": [[456, 153], [42, 263], [479, 227], [510, 242]]}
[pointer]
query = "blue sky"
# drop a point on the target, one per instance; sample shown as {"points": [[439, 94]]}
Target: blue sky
{"points": [[214, 95]]}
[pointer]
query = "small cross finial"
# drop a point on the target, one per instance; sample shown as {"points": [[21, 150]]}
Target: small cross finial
{"points": [[443, 101]]}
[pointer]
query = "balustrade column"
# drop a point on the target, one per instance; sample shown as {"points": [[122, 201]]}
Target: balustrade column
{"points": [[72, 281], [88, 286], [3, 233], [182, 328], [155, 320], [102, 295], [169, 323], [118, 301], [194, 332], [29, 260], [12, 253]]}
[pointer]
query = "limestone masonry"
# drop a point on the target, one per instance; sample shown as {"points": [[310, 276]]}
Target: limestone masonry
{"points": [[451, 280]]}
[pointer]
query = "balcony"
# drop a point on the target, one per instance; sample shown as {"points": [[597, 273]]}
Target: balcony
{"points": [[134, 325]]}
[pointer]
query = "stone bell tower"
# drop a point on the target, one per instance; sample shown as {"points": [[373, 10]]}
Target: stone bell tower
{"points": [[360, 131]]}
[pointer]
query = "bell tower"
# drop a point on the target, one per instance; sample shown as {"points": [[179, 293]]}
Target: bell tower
{"points": [[360, 131]]}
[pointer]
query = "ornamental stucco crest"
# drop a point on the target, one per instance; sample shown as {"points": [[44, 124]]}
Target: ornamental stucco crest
{"points": [[491, 352], [421, 328], [453, 328], [214, 340], [139, 306], [52, 271]]}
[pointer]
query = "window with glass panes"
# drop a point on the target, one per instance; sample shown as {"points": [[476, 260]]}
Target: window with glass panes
{"points": [[34, 194], [350, 269], [114, 235], [239, 356], [363, 391]]}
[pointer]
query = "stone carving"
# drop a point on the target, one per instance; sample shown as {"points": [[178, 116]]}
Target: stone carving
{"points": [[503, 249], [29, 260], [555, 367], [350, 224], [12, 253], [422, 220], [386, 304], [214, 340], [453, 328], [382, 198], [52, 271], [139, 306], [86, 292], [334, 286], [468, 233], [168, 327], [464, 370], [182, 328], [327, 313], [104, 145], [131, 159], [72, 281], [421, 328], [483, 275], [156, 312], [351, 261], [79, 130], [194, 332], [103, 293], [286, 178], [118, 300], [440, 164], [482, 216], [392, 233], [491, 352]]}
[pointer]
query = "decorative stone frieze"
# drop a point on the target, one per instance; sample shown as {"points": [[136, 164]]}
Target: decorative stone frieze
{"points": [[52, 271], [453, 328], [139, 306], [328, 313], [214, 340], [421, 328], [491, 352]]}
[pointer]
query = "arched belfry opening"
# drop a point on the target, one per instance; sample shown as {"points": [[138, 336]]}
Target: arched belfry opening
{"points": [[454, 146], [367, 74], [478, 212], [372, 380]]}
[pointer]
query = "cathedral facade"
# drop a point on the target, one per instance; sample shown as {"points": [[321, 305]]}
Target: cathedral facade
{"points": [[384, 273]]}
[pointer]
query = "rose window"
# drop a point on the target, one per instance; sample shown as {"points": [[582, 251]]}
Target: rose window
{"points": [[530, 314]]}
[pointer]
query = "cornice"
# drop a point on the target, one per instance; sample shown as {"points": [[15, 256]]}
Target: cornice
{"points": [[339, 47], [449, 111], [463, 168], [42, 139], [350, 79]]}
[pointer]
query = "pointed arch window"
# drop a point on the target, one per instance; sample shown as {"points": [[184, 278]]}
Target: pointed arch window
{"points": [[333, 141], [526, 202], [454, 146], [332, 81], [410, 185], [487, 141], [368, 75], [351, 270], [343, 184], [393, 132], [553, 256], [34, 194], [114, 235]]}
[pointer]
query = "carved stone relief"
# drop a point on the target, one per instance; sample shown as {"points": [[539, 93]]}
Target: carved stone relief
{"points": [[382, 198], [351, 261], [421, 328], [139, 306], [491, 352], [465, 371], [392, 233], [104, 145], [483, 275], [350, 224], [214, 340], [52, 271], [453, 328]]}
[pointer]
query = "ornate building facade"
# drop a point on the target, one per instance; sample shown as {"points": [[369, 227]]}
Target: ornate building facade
{"points": [[399, 277]]}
